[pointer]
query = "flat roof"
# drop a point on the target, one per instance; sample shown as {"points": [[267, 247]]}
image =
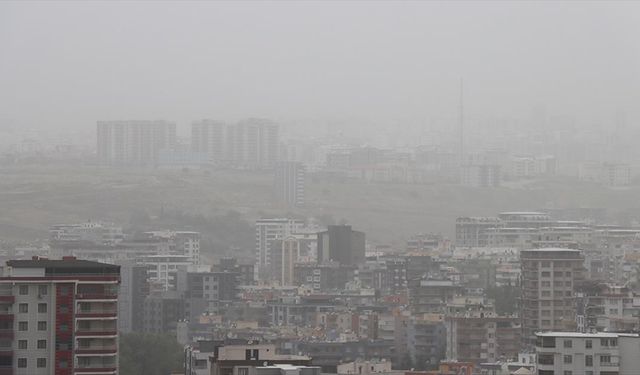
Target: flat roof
{"points": [[59, 263], [551, 249], [586, 335]]}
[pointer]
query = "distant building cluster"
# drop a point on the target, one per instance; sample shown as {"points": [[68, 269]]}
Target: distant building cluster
{"points": [[524, 292]]}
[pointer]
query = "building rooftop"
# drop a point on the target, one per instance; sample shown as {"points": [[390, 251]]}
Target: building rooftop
{"points": [[59, 263], [586, 335], [66, 266]]}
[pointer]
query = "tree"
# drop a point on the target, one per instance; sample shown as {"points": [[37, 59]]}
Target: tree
{"points": [[149, 354]]}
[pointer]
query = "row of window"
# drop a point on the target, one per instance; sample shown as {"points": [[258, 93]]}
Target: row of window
{"points": [[40, 363], [43, 290], [24, 308], [42, 326], [555, 274], [24, 344], [588, 344]]}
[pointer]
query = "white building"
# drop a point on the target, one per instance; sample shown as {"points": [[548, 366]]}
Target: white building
{"points": [[572, 353], [162, 269], [267, 231]]}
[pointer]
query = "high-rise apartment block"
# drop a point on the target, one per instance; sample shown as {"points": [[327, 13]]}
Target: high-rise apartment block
{"points": [[267, 231], [290, 182], [339, 243], [210, 137], [134, 143], [549, 278], [250, 143], [59, 317]]}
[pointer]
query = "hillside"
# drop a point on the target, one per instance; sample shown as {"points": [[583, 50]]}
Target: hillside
{"points": [[32, 198]]}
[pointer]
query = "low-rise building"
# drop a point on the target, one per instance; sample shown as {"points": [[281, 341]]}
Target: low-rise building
{"points": [[573, 353]]}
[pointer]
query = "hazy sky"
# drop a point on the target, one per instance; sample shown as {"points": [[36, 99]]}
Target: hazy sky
{"points": [[68, 64]]}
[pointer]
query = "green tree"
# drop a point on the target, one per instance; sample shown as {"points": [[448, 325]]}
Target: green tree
{"points": [[149, 354]]}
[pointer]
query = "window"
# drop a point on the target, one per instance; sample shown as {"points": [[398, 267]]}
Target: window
{"points": [[24, 290], [605, 359], [588, 344], [568, 372], [243, 371], [613, 342], [22, 362], [42, 308], [568, 344], [43, 290], [588, 361], [42, 326], [23, 326], [546, 274], [604, 342], [41, 363], [568, 359], [64, 290], [23, 308], [42, 344], [22, 344]]}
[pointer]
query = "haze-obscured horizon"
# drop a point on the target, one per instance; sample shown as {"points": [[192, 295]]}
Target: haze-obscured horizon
{"points": [[66, 65]]}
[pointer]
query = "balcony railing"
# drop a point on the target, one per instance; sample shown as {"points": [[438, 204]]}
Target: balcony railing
{"points": [[106, 370], [112, 349], [108, 296], [98, 332], [97, 314]]}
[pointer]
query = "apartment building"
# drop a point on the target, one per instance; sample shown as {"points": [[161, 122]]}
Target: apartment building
{"points": [[267, 231], [210, 137], [134, 143], [59, 317], [602, 353], [472, 231], [290, 182], [482, 337], [549, 277]]}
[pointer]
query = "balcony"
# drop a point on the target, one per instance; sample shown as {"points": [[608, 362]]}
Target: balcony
{"points": [[97, 332], [6, 334], [97, 296], [97, 315], [5, 316], [97, 350], [7, 299], [6, 370], [95, 370]]}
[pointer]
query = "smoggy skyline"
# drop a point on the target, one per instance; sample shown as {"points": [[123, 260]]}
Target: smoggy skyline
{"points": [[68, 64]]}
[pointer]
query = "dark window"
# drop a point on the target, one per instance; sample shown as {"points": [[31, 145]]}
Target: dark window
{"points": [[23, 308], [24, 290], [22, 362], [41, 363], [42, 344], [42, 326], [23, 326], [42, 308], [22, 344], [43, 290]]}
